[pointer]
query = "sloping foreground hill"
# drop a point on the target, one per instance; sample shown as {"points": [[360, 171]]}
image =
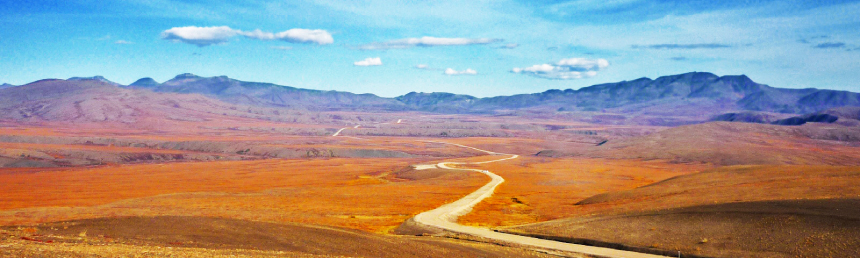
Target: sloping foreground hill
{"points": [[847, 115], [218, 237], [737, 211]]}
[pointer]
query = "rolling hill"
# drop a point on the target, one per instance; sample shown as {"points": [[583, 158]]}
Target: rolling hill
{"points": [[272, 95], [94, 100]]}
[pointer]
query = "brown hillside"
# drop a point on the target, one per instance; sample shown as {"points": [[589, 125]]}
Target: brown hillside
{"points": [[726, 143], [748, 211]]}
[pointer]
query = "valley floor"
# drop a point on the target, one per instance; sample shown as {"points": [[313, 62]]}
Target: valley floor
{"points": [[82, 192]]}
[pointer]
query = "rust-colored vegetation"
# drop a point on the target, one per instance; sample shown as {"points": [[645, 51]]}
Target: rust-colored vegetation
{"points": [[568, 173], [340, 192], [540, 189], [737, 211]]}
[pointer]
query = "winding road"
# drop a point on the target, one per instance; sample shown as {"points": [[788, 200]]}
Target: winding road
{"points": [[445, 217]]}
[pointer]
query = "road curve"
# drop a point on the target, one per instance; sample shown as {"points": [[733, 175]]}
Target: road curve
{"points": [[338, 132], [445, 217]]}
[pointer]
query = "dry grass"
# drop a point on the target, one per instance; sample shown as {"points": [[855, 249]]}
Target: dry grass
{"points": [[539, 189], [172, 236], [749, 211], [626, 176], [726, 143], [349, 193]]}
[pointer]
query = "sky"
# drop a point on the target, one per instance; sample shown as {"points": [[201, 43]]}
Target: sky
{"points": [[390, 48]]}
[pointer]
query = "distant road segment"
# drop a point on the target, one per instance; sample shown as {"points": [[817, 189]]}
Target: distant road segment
{"points": [[338, 132]]}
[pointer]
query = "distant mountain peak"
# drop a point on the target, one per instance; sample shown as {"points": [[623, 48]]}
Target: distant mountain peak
{"points": [[144, 82], [94, 78], [186, 76], [97, 77]]}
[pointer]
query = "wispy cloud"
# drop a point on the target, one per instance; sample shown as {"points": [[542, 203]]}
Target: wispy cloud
{"points": [[678, 58], [509, 46], [830, 45], [682, 46], [426, 42], [205, 36], [468, 71], [370, 61], [427, 68], [565, 69], [813, 39], [320, 37], [282, 47], [123, 42]]}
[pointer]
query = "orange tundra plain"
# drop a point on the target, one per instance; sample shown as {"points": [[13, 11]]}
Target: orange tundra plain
{"points": [[358, 193], [353, 193]]}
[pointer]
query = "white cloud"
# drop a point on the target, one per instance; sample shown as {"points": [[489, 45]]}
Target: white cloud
{"points": [[469, 71], [565, 69], [584, 63], [370, 61], [205, 36], [427, 68], [200, 36], [123, 42], [427, 42], [282, 47], [320, 37]]}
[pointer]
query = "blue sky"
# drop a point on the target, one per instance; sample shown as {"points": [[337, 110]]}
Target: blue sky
{"points": [[481, 48]]}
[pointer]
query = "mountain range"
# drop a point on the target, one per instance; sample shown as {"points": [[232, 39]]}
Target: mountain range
{"points": [[695, 94], [269, 95], [94, 100]]}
